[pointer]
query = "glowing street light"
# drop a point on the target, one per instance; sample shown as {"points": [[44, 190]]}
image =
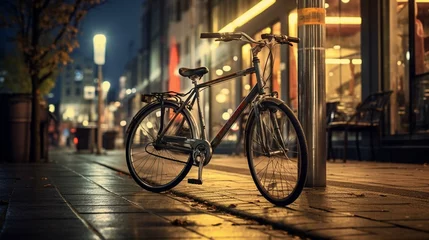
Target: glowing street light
{"points": [[105, 86], [99, 59]]}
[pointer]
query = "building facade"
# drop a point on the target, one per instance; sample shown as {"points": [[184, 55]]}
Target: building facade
{"points": [[370, 46], [78, 93]]}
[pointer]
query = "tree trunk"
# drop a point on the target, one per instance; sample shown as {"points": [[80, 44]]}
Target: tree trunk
{"points": [[35, 121]]}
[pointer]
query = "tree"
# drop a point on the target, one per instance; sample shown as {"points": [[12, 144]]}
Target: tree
{"points": [[18, 80], [46, 33]]}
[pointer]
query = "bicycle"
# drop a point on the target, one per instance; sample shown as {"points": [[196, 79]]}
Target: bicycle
{"points": [[164, 140]]}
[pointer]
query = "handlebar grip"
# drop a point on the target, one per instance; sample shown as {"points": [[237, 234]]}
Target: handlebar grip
{"points": [[293, 39], [210, 35]]}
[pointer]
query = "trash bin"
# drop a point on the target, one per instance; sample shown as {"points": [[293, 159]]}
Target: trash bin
{"points": [[109, 138], [84, 138], [15, 125]]}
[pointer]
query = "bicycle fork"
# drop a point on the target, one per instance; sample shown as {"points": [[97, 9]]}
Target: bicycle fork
{"points": [[264, 135]]}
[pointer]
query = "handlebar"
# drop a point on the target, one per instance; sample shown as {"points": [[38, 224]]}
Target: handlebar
{"points": [[280, 38], [229, 36]]}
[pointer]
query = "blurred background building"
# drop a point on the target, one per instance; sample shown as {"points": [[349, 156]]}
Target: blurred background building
{"points": [[77, 103], [370, 46]]}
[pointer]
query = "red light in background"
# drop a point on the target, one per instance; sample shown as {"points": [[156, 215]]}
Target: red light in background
{"points": [[75, 140]]}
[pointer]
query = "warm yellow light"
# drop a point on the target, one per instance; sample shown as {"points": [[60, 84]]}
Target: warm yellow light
{"points": [[246, 48], [357, 61], [220, 98], [105, 86], [337, 61], [225, 116], [226, 68], [267, 30], [123, 123], [248, 15], [99, 49], [343, 61], [85, 123], [51, 108], [343, 20], [219, 72], [68, 113], [293, 18]]}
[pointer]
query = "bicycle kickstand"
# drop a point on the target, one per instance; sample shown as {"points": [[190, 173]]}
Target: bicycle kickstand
{"points": [[200, 174]]}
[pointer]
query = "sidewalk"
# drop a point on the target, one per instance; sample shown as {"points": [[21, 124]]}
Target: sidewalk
{"points": [[93, 197], [74, 198], [362, 200]]}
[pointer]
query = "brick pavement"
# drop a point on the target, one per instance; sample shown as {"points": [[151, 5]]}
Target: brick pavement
{"points": [[364, 200], [74, 198]]}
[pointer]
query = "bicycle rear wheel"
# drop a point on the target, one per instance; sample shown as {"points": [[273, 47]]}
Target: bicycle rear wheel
{"points": [[276, 153], [153, 168]]}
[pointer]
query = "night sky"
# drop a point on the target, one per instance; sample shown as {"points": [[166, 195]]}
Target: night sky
{"points": [[119, 20]]}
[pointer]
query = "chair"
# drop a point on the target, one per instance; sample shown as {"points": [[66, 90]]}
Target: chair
{"points": [[333, 115], [367, 117]]}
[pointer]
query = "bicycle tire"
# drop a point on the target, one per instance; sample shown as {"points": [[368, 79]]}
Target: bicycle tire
{"points": [[273, 182], [147, 123]]}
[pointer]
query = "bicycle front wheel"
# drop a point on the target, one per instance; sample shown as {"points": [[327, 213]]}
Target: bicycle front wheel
{"points": [[153, 168], [276, 152]]}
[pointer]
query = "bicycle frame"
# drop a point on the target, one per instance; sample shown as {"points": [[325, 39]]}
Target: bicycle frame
{"points": [[194, 95]]}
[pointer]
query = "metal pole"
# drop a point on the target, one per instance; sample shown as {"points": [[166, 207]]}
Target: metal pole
{"points": [[311, 86], [100, 102]]}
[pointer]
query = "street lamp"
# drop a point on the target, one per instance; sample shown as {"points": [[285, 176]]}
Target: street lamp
{"points": [[105, 86], [99, 55]]}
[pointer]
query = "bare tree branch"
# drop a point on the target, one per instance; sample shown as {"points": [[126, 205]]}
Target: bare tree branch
{"points": [[45, 76], [64, 27]]}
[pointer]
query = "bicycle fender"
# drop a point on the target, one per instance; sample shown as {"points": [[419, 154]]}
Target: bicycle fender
{"points": [[274, 100]]}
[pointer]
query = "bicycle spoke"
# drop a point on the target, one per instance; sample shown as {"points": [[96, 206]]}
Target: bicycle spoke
{"points": [[157, 166], [274, 160]]}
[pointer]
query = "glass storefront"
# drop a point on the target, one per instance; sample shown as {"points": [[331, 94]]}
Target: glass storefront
{"points": [[421, 82], [226, 96], [346, 49], [224, 99], [410, 86], [343, 54]]}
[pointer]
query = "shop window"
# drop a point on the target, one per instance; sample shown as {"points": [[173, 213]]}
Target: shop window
{"points": [[223, 100], [399, 66], [342, 54], [421, 82]]}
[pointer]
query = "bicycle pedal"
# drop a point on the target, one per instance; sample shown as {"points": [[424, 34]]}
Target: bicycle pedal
{"points": [[195, 181]]}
